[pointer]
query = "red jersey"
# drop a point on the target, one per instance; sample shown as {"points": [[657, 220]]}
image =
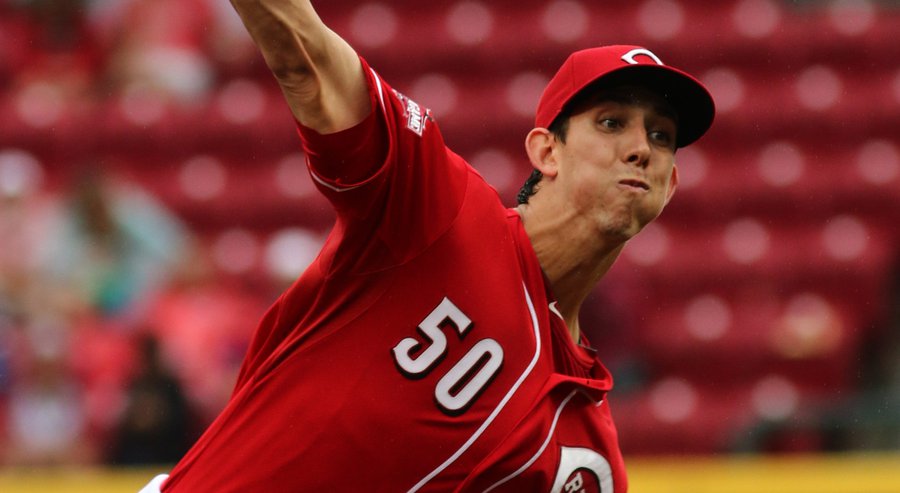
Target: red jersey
{"points": [[421, 351]]}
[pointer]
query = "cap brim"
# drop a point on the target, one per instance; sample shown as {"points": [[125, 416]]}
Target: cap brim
{"points": [[692, 102]]}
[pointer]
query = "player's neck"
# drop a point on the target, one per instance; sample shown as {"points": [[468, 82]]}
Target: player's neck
{"points": [[571, 283], [573, 263]]}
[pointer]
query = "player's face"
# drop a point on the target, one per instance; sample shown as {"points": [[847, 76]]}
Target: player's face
{"points": [[617, 165]]}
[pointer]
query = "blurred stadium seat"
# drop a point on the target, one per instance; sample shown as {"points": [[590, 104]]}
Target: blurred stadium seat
{"points": [[754, 295]]}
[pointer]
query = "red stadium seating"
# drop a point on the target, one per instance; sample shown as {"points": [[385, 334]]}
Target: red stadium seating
{"points": [[763, 276]]}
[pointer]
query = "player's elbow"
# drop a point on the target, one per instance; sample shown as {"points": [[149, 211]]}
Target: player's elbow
{"points": [[290, 59], [292, 71], [280, 4]]}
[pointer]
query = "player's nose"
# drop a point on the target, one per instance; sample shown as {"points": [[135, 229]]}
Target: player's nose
{"points": [[636, 146]]}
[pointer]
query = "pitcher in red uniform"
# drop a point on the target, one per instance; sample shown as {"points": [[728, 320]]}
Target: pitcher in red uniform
{"points": [[434, 344]]}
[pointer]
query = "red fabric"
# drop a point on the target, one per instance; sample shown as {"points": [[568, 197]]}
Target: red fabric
{"points": [[347, 156], [366, 375]]}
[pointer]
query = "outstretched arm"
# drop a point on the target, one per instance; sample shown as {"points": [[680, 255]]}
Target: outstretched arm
{"points": [[319, 73]]}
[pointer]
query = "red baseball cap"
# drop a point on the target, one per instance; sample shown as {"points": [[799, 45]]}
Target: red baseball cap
{"points": [[627, 64]]}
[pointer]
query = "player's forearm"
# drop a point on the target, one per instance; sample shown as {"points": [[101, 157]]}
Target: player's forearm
{"points": [[318, 71], [288, 32]]}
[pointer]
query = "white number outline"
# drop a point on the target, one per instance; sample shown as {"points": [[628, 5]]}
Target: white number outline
{"points": [[416, 367], [461, 386]]}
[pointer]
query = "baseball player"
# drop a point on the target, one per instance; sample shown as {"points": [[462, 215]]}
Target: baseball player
{"points": [[434, 344]]}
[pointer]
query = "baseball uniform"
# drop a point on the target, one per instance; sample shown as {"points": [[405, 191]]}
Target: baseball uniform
{"points": [[421, 351]]}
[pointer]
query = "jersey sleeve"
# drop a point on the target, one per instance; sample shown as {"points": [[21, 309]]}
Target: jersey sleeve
{"points": [[392, 198], [342, 160]]}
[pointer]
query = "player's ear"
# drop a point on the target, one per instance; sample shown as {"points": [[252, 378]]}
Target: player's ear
{"points": [[539, 145], [673, 183]]}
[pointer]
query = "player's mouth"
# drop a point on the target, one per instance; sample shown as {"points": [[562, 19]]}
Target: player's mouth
{"points": [[634, 184]]}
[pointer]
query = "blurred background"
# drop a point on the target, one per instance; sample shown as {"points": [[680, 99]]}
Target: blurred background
{"points": [[154, 201]]}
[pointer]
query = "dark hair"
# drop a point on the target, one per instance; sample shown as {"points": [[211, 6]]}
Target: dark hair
{"points": [[558, 128], [527, 189]]}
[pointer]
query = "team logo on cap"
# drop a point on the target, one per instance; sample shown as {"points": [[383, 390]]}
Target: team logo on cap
{"points": [[582, 470], [629, 57]]}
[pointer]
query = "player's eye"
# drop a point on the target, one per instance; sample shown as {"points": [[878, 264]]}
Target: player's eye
{"points": [[610, 123], [661, 137]]}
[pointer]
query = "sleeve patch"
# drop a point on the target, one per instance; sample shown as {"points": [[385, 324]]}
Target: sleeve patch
{"points": [[416, 116]]}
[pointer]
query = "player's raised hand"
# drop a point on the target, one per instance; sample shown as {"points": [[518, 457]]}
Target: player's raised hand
{"points": [[319, 73]]}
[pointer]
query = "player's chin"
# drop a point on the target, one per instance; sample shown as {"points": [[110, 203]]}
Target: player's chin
{"points": [[640, 221], [621, 229], [647, 212], [627, 219]]}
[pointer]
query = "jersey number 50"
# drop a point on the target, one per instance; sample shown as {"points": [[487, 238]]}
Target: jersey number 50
{"points": [[468, 378]]}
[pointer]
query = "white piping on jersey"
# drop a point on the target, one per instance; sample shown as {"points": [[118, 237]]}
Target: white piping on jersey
{"points": [[325, 184], [543, 445], [378, 86], [320, 180], [500, 406], [555, 310]]}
